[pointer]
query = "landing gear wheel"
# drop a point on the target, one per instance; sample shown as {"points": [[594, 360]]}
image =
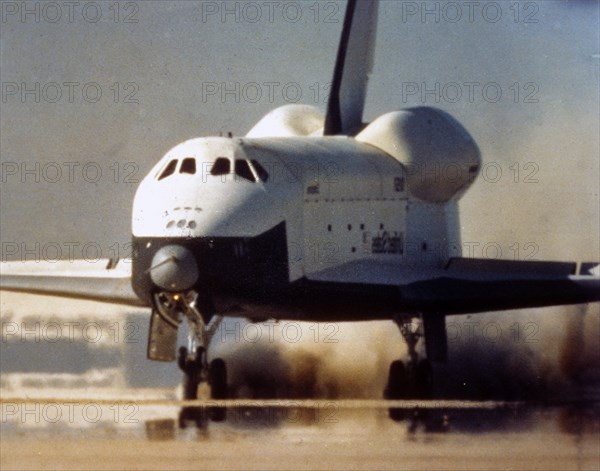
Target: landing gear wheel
{"points": [[423, 380], [414, 379], [414, 382], [192, 371], [397, 384], [190, 387], [217, 380], [397, 387], [182, 355]]}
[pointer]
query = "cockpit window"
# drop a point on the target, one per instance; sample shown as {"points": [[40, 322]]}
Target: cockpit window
{"points": [[242, 169], [222, 166], [169, 169], [260, 171], [188, 165]]}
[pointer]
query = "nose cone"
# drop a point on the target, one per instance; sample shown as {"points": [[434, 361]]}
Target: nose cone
{"points": [[174, 268]]}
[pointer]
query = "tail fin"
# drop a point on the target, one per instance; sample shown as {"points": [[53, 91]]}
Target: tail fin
{"points": [[352, 68]]}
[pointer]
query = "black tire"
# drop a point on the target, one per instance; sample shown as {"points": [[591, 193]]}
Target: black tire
{"points": [[397, 381], [182, 358], [424, 380], [217, 379], [192, 369], [190, 386]]}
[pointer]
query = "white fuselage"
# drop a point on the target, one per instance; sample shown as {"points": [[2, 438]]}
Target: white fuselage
{"points": [[340, 199]]}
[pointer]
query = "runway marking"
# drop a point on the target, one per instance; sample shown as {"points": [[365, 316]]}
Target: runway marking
{"points": [[280, 403]]}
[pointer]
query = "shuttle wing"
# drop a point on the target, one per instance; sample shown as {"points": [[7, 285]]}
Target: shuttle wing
{"points": [[100, 280], [353, 65], [475, 285]]}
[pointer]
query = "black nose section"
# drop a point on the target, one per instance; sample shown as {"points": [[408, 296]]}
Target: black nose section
{"points": [[174, 268]]}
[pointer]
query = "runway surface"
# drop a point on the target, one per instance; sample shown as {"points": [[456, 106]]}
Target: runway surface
{"points": [[162, 433]]}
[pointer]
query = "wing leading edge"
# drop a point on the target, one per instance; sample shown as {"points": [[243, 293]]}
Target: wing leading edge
{"points": [[476, 285], [95, 281]]}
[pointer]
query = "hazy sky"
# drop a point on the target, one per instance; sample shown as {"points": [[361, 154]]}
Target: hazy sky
{"points": [[521, 76]]}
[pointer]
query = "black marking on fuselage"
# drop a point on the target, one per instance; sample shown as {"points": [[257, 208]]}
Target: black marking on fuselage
{"points": [[240, 264], [250, 277]]}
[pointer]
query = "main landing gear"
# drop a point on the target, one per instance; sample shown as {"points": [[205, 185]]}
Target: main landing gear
{"points": [[413, 379]]}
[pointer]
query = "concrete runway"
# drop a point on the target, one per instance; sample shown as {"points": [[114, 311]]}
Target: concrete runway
{"points": [[161, 433]]}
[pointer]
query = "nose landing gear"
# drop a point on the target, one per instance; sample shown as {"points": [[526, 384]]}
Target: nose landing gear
{"points": [[193, 360], [197, 371]]}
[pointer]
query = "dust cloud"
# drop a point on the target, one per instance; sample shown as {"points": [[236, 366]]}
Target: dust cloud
{"points": [[546, 355], [353, 363]]}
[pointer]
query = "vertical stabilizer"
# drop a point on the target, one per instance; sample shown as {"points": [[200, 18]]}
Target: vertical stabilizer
{"points": [[352, 68]]}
